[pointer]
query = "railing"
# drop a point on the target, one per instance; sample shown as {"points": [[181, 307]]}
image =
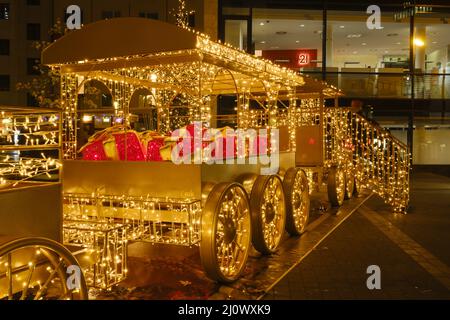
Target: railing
{"points": [[389, 85], [382, 162]]}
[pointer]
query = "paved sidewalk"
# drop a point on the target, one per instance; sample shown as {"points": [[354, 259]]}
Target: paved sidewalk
{"points": [[336, 269]]}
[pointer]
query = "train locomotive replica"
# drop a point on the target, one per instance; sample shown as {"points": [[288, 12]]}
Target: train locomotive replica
{"points": [[121, 183]]}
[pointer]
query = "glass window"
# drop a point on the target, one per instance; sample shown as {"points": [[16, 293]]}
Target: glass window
{"points": [[33, 31], [291, 38], [31, 101], [4, 82], [432, 54], [368, 56], [4, 11], [149, 15], [32, 66], [33, 2], [191, 20], [351, 44], [236, 33], [109, 14], [4, 47]]}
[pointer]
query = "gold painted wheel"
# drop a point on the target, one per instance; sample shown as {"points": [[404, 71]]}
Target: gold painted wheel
{"points": [[37, 269], [268, 209], [336, 186], [296, 190], [226, 232]]}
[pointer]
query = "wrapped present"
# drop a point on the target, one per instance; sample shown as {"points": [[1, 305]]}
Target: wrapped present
{"points": [[93, 149], [189, 140], [129, 148], [258, 145], [152, 142], [166, 150], [222, 143], [114, 143], [120, 143]]}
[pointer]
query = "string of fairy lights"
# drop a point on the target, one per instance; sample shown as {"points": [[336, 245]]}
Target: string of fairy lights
{"points": [[21, 134]]}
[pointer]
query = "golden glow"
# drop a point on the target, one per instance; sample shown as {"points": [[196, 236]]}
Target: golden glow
{"points": [[87, 118], [418, 42]]}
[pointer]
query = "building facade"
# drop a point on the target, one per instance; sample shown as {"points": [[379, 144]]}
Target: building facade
{"points": [[25, 21], [392, 56]]}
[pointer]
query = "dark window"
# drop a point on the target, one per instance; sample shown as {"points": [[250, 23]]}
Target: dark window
{"points": [[33, 2], [4, 11], [149, 15], [106, 100], [110, 14], [4, 82], [107, 14], [191, 20], [33, 31], [32, 67], [4, 47], [31, 101]]}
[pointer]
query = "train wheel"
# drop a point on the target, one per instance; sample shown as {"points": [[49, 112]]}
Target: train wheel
{"points": [[349, 182], [268, 209], [336, 186], [296, 190], [40, 269], [226, 232]]}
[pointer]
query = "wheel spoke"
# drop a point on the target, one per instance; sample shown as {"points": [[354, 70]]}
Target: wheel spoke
{"points": [[9, 275], [47, 282], [27, 283]]}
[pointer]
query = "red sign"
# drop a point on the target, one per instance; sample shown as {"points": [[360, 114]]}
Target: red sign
{"points": [[303, 59], [293, 59]]}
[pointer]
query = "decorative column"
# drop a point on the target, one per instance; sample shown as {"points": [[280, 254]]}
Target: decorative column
{"points": [[69, 92]]}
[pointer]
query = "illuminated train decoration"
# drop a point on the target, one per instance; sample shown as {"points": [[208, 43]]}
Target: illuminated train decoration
{"points": [[118, 178]]}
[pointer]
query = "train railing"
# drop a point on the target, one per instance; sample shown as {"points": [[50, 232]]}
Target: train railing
{"points": [[381, 162]]}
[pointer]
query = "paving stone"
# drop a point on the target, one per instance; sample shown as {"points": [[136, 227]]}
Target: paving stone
{"points": [[336, 269]]}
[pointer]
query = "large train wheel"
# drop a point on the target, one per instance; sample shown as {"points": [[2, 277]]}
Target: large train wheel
{"points": [[268, 209], [226, 232], [296, 190], [336, 186], [349, 181], [38, 269]]}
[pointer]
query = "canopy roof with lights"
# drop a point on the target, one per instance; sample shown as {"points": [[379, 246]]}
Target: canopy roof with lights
{"points": [[176, 66], [127, 43]]}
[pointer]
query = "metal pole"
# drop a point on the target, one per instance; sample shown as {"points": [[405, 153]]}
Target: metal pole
{"points": [[412, 66], [324, 40]]}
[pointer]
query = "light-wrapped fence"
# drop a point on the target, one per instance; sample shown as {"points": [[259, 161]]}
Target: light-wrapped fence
{"points": [[157, 220], [107, 247], [380, 162]]}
